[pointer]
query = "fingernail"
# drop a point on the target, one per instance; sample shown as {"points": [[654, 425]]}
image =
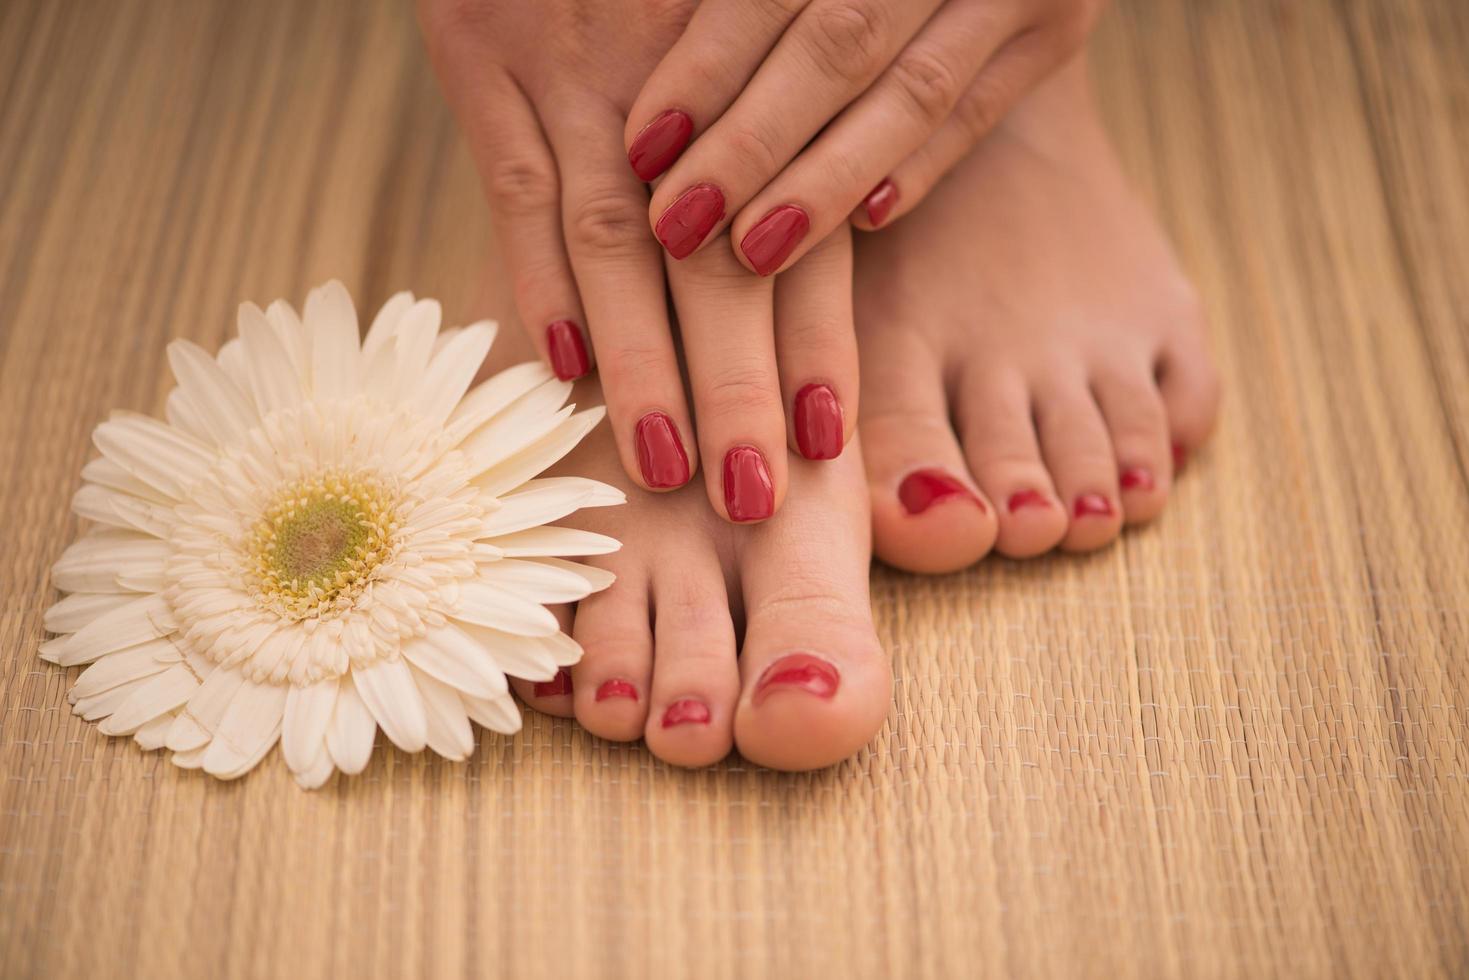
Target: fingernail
{"points": [[771, 242], [617, 688], [1093, 505], [686, 222], [1027, 498], [921, 489], [567, 350], [748, 492], [1136, 478], [800, 671], [818, 422], [558, 685], [879, 203], [661, 455], [1180, 456], [686, 711], [659, 143]]}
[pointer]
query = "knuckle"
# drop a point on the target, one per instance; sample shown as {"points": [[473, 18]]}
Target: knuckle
{"points": [[847, 38], [740, 390], [643, 365], [519, 184], [754, 150], [607, 222], [929, 84]]}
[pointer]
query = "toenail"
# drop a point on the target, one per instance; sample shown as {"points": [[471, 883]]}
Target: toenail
{"points": [[617, 688], [798, 670], [556, 686], [921, 489], [748, 493], [1093, 505], [686, 711], [568, 352], [879, 202], [818, 422], [1180, 456], [1027, 498], [660, 453], [1137, 478]]}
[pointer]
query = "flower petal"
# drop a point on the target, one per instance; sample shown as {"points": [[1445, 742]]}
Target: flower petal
{"points": [[529, 658], [498, 714], [350, 736], [145, 618], [157, 454], [196, 723], [487, 605], [448, 723], [537, 457], [273, 379], [555, 541], [320, 770], [331, 325], [453, 657], [308, 715], [250, 726], [131, 664], [543, 501], [493, 395], [388, 690], [96, 562], [532, 580], [450, 372], [159, 696], [222, 408], [385, 324], [532, 417], [80, 608]]}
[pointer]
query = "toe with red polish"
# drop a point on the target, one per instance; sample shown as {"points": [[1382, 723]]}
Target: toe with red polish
{"points": [[798, 672], [686, 711], [556, 686], [922, 489]]}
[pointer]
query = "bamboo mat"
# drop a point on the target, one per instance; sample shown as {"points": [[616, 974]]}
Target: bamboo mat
{"points": [[1231, 745]]}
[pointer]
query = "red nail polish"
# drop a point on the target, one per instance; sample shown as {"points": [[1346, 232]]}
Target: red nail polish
{"points": [[688, 220], [556, 686], [661, 456], [772, 240], [799, 671], [568, 351], [1136, 478], [659, 143], [617, 688], [685, 712], [879, 203], [921, 489], [1027, 498], [1180, 456], [748, 492], [819, 422], [1093, 505]]}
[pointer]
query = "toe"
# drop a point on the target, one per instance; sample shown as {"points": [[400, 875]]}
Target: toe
{"points": [[1189, 385], [815, 684], [612, 680], [695, 676], [1078, 452], [1005, 457], [927, 514], [1138, 427], [549, 694]]}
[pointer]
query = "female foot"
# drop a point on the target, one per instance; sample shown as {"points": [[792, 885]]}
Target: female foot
{"points": [[1034, 364]]}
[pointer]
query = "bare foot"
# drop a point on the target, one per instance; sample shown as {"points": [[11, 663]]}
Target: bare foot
{"points": [[1034, 363]]}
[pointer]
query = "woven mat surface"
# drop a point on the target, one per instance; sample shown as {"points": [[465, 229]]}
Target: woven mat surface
{"points": [[1231, 745]]}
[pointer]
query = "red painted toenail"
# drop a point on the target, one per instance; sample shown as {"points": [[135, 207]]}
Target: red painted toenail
{"points": [[568, 352], [617, 688], [798, 670], [556, 686], [819, 422], [1180, 456], [748, 493], [1137, 478], [1093, 505], [1027, 498], [659, 143], [686, 711], [660, 453], [921, 489], [879, 202]]}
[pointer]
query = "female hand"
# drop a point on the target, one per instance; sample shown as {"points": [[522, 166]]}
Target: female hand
{"points": [[804, 113]]}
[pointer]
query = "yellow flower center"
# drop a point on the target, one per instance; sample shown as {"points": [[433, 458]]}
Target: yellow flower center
{"points": [[320, 542]]}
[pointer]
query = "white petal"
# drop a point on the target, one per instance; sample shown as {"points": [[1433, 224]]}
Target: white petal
{"points": [[385, 324], [331, 323], [527, 657], [145, 618], [535, 458], [123, 510], [105, 703], [250, 726], [349, 738], [308, 713], [543, 501], [316, 774], [493, 395], [94, 563], [552, 542], [455, 658], [396, 368], [282, 317], [157, 454], [179, 412], [131, 664], [596, 578], [104, 472], [274, 381], [192, 759], [159, 696], [486, 605], [79, 609], [498, 714], [448, 723], [540, 583], [531, 418], [196, 723], [450, 372], [223, 409], [151, 735], [388, 690]]}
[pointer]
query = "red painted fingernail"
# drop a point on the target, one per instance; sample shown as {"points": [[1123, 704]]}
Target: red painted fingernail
{"points": [[686, 222], [659, 143], [772, 240], [568, 351], [879, 203], [617, 688], [921, 489], [660, 453], [558, 685], [801, 671], [1027, 498], [819, 422], [748, 492], [1180, 455], [685, 712], [1093, 505], [1136, 478]]}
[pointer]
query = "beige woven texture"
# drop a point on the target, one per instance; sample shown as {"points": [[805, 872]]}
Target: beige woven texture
{"points": [[1232, 744]]}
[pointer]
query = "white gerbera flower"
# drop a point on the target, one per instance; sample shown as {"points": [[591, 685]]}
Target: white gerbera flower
{"points": [[326, 537]]}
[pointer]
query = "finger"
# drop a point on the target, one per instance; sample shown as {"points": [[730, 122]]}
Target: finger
{"points": [[725, 321], [893, 118], [1013, 71], [521, 184], [700, 76], [816, 344], [619, 272], [829, 55]]}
